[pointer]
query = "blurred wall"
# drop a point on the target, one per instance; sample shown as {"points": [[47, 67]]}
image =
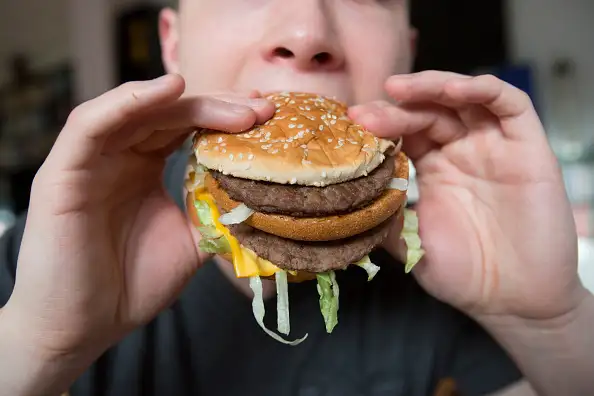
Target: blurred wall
{"points": [[38, 28], [542, 30]]}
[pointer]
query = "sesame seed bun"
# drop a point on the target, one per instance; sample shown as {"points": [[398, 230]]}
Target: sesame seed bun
{"points": [[309, 141], [322, 228]]}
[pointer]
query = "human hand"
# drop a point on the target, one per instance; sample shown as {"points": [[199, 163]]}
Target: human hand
{"points": [[105, 248], [494, 217]]}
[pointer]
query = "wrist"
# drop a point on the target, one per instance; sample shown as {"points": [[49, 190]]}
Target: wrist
{"points": [[556, 354], [29, 370]]}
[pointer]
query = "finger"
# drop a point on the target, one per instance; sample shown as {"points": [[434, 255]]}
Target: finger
{"points": [[92, 122], [510, 104], [426, 86], [225, 114], [424, 127], [222, 112]]}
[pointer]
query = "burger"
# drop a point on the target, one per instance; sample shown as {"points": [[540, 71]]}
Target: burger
{"points": [[305, 194]]}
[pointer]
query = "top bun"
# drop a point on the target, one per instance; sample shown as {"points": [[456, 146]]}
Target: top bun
{"points": [[309, 141]]}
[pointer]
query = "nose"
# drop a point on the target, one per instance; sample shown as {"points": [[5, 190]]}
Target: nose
{"points": [[303, 37]]}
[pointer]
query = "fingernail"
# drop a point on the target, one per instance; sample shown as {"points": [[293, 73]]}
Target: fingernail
{"points": [[259, 103], [368, 117], [354, 110], [239, 109]]}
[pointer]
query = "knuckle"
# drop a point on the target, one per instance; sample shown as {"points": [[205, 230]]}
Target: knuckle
{"points": [[79, 114]]}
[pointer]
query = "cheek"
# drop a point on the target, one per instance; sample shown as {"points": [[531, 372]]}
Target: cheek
{"points": [[374, 56], [209, 61]]}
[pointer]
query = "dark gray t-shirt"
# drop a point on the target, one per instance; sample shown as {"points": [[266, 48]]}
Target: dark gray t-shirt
{"points": [[392, 339]]}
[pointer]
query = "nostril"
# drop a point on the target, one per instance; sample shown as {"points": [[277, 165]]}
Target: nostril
{"points": [[322, 58], [283, 53]]}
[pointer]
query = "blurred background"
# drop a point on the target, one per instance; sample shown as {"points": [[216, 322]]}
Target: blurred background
{"points": [[56, 54]]}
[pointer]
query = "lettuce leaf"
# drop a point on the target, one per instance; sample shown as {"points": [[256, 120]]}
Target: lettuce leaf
{"points": [[218, 245], [368, 266], [410, 234], [259, 312], [212, 240], [328, 290]]}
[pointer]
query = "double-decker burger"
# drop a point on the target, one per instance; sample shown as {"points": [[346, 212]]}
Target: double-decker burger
{"points": [[305, 194]]}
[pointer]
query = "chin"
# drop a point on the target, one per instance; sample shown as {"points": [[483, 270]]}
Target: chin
{"points": [[298, 198]]}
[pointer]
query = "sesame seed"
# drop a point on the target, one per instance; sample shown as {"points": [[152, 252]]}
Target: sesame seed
{"points": [[250, 156], [291, 126], [266, 146], [300, 126], [274, 151], [285, 146], [330, 140], [321, 128], [305, 162], [307, 108], [231, 157], [303, 146], [333, 122], [294, 119], [220, 140], [290, 139], [240, 156]]}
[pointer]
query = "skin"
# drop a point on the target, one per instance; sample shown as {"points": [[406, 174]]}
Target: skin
{"points": [[105, 249]]}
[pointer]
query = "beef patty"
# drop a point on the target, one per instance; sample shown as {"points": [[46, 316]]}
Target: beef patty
{"points": [[310, 256], [306, 201]]}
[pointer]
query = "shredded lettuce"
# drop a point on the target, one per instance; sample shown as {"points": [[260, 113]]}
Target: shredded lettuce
{"points": [[410, 234], [282, 303], [368, 266], [328, 290], [212, 241], [259, 311]]}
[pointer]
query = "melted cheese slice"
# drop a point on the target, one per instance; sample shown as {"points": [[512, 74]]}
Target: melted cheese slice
{"points": [[245, 262]]}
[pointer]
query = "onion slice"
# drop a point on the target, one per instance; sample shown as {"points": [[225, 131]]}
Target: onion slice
{"points": [[282, 303], [236, 216], [398, 184]]}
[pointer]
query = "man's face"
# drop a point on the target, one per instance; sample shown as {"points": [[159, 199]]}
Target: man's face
{"points": [[342, 48]]}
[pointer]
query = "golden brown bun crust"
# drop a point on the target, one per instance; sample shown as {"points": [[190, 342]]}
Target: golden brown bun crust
{"points": [[300, 276], [309, 141], [322, 228]]}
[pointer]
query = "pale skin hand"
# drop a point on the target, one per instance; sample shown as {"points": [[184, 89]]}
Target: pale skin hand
{"points": [[105, 248], [494, 219], [493, 214]]}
